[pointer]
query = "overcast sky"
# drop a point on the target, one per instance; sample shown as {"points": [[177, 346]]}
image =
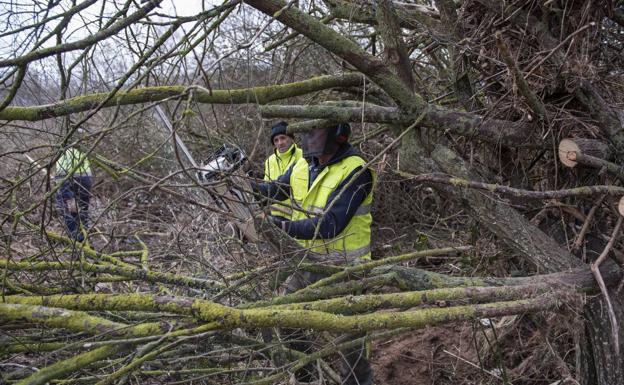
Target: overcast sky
{"points": [[186, 7], [112, 53], [14, 15]]}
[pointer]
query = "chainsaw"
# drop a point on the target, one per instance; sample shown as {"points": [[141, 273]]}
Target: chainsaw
{"points": [[225, 160], [223, 179]]}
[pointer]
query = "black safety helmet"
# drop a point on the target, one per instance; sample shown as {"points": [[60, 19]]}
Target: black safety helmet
{"points": [[325, 140], [280, 128], [340, 133]]}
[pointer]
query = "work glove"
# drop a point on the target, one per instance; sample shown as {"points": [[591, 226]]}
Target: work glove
{"points": [[280, 222], [258, 194]]}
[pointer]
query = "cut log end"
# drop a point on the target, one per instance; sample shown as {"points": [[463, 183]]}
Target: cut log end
{"points": [[621, 206], [577, 150], [567, 152]]}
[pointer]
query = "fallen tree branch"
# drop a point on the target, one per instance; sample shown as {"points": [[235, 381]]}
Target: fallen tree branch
{"points": [[66, 367], [586, 224], [512, 134], [592, 161], [511, 191], [222, 317], [73, 320], [386, 261], [260, 95], [134, 273]]}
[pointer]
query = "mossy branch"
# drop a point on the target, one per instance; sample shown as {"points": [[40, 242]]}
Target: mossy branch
{"points": [[440, 118], [340, 45], [64, 368], [76, 321], [29, 347], [462, 123], [373, 302], [386, 261], [395, 51], [223, 317], [580, 280], [341, 288], [412, 16], [260, 95], [133, 273]]}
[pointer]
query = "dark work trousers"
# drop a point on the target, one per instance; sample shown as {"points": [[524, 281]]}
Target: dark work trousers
{"points": [[72, 203], [354, 368]]}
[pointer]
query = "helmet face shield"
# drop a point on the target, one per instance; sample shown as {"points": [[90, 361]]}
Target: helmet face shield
{"points": [[315, 141]]}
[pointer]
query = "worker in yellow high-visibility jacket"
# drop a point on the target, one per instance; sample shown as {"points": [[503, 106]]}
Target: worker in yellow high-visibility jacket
{"points": [[332, 192], [73, 196], [285, 154]]}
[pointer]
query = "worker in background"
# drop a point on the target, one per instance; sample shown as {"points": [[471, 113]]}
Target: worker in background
{"points": [[285, 154], [332, 191], [73, 170]]}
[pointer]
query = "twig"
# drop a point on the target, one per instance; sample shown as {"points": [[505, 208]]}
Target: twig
{"points": [[534, 102], [511, 191], [586, 224], [472, 364], [552, 51], [603, 288]]}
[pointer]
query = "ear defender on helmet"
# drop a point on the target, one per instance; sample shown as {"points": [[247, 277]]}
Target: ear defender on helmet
{"points": [[321, 141], [343, 132]]}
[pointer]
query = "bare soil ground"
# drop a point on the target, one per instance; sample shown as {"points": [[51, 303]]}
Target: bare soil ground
{"points": [[434, 355]]}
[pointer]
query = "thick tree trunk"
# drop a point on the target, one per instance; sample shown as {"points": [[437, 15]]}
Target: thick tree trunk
{"points": [[597, 362], [510, 226], [507, 223], [524, 237], [495, 131]]}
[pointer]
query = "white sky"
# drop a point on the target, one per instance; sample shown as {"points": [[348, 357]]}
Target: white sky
{"points": [[114, 58], [186, 7], [17, 44]]}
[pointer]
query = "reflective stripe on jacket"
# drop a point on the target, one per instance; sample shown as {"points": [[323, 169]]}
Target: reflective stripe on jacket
{"points": [[70, 159], [354, 241], [275, 166]]}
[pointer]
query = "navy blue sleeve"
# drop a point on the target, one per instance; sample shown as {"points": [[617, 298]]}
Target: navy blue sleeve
{"points": [[347, 201], [278, 189]]}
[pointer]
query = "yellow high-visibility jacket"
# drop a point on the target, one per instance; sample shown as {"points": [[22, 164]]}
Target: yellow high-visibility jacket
{"points": [[276, 165], [70, 158], [354, 241]]}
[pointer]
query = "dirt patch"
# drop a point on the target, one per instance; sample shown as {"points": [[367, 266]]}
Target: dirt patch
{"points": [[435, 355]]}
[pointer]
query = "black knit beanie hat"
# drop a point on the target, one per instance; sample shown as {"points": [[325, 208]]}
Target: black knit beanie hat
{"points": [[280, 128]]}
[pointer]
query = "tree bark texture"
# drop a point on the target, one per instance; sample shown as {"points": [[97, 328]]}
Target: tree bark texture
{"points": [[472, 126], [411, 16]]}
